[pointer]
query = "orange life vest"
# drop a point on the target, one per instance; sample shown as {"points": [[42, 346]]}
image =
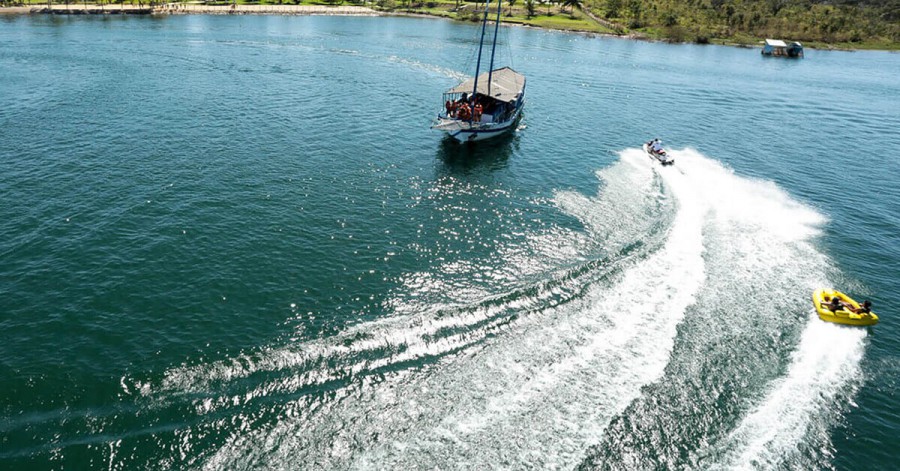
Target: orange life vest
{"points": [[464, 111]]}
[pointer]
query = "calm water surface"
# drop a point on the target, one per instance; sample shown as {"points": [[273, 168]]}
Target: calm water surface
{"points": [[234, 243]]}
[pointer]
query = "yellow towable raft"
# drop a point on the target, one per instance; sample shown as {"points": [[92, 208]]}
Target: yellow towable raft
{"points": [[823, 297]]}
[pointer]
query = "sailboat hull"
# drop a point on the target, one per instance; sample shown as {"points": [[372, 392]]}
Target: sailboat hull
{"points": [[483, 133], [475, 136], [464, 131]]}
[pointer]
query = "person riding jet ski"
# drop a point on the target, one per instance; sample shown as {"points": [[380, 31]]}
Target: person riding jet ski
{"points": [[656, 147]]}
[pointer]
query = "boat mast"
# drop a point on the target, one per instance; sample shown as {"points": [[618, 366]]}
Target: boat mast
{"points": [[480, 46], [494, 47]]}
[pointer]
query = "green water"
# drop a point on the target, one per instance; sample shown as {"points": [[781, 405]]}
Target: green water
{"points": [[233, 242]]}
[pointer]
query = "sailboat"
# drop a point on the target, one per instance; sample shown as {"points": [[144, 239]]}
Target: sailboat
{"points": [[486, 105]]}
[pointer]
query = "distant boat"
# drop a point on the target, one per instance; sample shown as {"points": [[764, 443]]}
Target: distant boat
{"points": [[486, 105], [777, 47]]}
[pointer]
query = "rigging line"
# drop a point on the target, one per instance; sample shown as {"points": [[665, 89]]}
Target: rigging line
{"points": [[509, 53], [487, 4], [494, 46], [470, 57]]}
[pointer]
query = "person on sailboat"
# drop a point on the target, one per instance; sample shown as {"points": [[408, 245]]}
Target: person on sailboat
{"points": [[477, 111], [464, 112], [451, 108]]}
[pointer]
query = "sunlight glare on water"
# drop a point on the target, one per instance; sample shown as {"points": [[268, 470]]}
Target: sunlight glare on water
{"points": [[233, 242]]}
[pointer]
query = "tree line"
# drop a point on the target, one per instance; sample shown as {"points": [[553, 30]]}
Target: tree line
{"points": [[829, 21]]}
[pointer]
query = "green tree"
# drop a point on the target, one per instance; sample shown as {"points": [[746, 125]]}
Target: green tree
{"points": [[635, 8], [670, 19], [612, 8], [510, 3], [572, 4], [776, 5], [529, 8]]}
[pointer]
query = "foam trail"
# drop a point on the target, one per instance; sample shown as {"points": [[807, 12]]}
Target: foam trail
{"points": [[536, 396], [822, 376], [623, 211], [767, 229], [533, 378], [417, 320], [747, 201], [415, 331]]}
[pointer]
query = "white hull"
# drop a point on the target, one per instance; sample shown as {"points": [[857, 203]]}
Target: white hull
{"points": [[662, 159], [464, 131], [475, 135]]}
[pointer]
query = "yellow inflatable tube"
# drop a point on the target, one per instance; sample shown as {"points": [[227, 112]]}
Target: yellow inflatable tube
{"points": [[821, 298]]}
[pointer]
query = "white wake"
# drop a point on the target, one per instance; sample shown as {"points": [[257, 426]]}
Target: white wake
{"points": [[538, 389], [801, 406], [770, 235], [536, 395]]}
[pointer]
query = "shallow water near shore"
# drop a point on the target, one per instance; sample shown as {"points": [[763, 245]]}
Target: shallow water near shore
{"points": [[233, 243]]}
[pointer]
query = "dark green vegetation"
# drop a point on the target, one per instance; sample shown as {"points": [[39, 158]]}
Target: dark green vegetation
{"points": [[840, 23]]}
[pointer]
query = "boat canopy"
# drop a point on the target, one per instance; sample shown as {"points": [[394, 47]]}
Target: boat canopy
{"points": [[775, 43], [506, 85]]}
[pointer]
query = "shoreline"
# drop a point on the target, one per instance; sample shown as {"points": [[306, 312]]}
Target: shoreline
{"points": [[15, 10], [328, 10], [234, 9], [192, 9]]}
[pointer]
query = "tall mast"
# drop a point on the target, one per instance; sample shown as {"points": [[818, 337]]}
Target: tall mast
{"points": [[480, 45], [494, 47]]}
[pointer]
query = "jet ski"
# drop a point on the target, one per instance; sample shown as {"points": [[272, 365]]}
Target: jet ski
{"points": [[662, 156]]}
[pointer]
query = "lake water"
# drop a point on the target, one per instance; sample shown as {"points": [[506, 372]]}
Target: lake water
{"points": [[233, 243]]}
